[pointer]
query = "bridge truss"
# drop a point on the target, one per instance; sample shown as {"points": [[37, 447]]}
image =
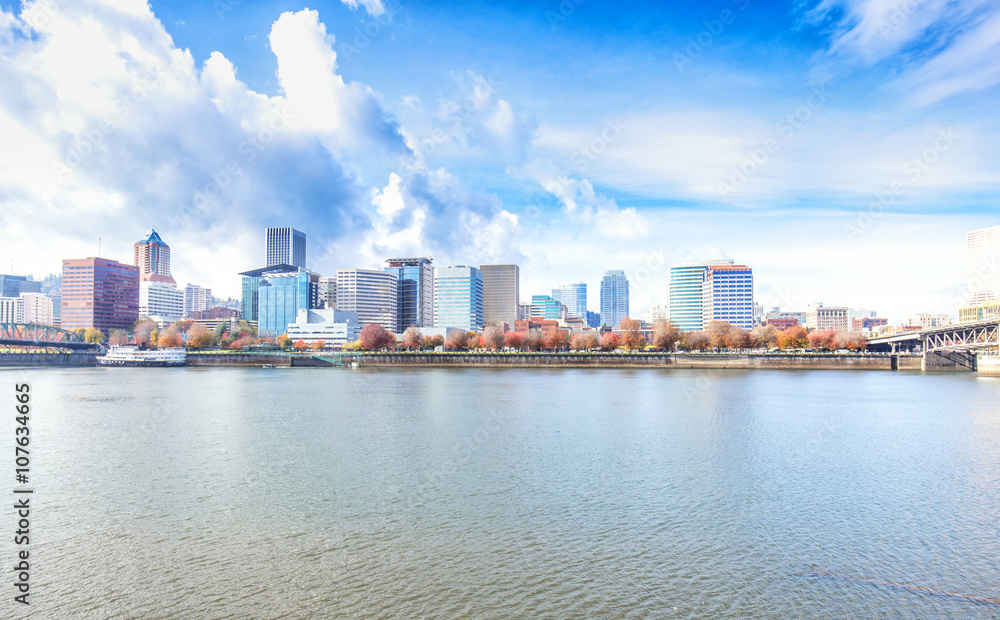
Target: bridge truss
{"points": [[963, 337], [31, 335]]}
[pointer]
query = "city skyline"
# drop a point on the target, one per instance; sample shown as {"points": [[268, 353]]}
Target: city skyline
{"points": [[859, 139]]}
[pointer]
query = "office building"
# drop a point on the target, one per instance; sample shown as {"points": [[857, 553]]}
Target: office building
{"points": [[160, 299], [867, 323], [986, 311], [250, 288], [152, 256], [372, 294], [501, 293], [820, 317], [727, 295], [37, 309], [614, 297], [100, 293], [458, 297], [328, 291], [686, 293], [983, 255], [545, 307], [334, 327], [782, 323], [11, 310], [285, 246], [280, 296], [196, 298], [13, 286], [574, 296], [414, 291]]}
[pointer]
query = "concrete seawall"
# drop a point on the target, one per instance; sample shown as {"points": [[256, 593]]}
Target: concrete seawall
{"points": [[48, 359], [642, 360], [988, 365], [238, 359]]}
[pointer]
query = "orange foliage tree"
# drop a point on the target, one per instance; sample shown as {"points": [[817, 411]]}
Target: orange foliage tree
{"points": [[631, 336], [665, 335], [374, 337], [793, 338], [610, 341], [412, 338]]}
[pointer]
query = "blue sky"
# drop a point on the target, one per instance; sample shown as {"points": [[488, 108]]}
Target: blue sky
{"points": [[841, 148]]}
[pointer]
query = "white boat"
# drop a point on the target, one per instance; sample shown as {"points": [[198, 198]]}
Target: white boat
{"points": [[134, 356]]}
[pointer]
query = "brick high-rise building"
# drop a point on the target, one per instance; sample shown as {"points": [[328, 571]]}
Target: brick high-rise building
{"points": [[152, 256], [99, 292]]}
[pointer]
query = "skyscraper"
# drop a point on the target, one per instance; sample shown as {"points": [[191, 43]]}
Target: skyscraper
{"points": [[984, 265], [574, 296], [686, 293], [458, 297], [372, 293], [12, 286], [196, 298], [614, 297], [250, 298], [727, 295], [286, 246], [281, 296], [546, 307], [99, 292], [501, 293], [152, 256], [414, 291]]}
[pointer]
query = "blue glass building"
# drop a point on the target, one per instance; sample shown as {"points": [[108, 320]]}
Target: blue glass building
{"points": [[414, 291], [614, 298], [458, 297]]}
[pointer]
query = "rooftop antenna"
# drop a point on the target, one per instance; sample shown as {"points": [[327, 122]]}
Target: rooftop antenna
{"points": [[98, 247]]}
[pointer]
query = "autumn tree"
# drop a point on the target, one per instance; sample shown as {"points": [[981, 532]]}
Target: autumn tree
{"points": [[665, 334], [718, 334], [493, 337], [198, 337], [766, 336], [242, 341], [92, 334], [695, 341], [117, 337], [533, 341], [319, 345], [586, 341], [169, 338], [738, 338], [142, 332], [220, 329], [300, 345], [284, 341], [513, 340], [853, 341], [631, 334], [555, 339], [822, 339], [437, 341], [610, 341], [793, 338], [473, 341], [374, 337], [412, 337]]}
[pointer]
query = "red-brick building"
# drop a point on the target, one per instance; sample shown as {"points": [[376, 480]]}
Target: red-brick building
{"points": [[99, 292], [783, 323]]}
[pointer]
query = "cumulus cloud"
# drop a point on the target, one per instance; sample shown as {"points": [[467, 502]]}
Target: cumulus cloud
{"points": [[118, 130], [430, 212], [374, 7]]}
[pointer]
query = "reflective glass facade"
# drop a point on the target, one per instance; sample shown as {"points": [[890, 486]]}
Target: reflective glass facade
{"points": [[281, 296], [458, 297], [414, 291], [614, 297]]}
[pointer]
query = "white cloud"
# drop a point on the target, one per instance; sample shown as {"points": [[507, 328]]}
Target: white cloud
{"points": [[374, 7]]}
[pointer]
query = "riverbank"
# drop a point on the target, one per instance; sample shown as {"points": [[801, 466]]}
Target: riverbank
{"points": [[646, 360], [786, 361]]}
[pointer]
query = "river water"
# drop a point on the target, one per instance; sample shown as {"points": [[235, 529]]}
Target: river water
{"points": [[303, 493]]}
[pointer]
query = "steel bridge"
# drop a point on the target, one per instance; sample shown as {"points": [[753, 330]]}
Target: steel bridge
{"points": [[31, 335], [955, 344]]}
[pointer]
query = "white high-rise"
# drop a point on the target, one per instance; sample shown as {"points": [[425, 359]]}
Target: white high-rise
{"points": [[37, 308], [984, 265], [196, 298], [161, 299], [371, 293]]}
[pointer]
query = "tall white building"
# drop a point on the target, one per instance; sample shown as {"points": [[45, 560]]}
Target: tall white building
{"points": [[984, 265], [822, 317], [371, 293], [687, 290], [501, 293], [285, 246], [37, 309], [196, 298], [161, 299], [727, 295], [328, 291], [11, 310]]}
